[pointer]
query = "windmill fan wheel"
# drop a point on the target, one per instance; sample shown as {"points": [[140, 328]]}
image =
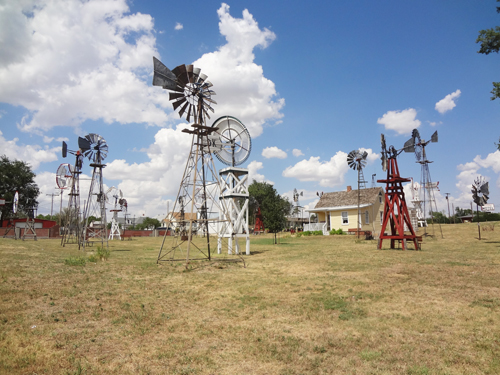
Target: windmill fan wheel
{"points": [[94, 147], [190, 90], [233, 140], [357, 159]]}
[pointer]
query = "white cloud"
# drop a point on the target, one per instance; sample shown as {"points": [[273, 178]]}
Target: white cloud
{"points": [[242, 90], [402, 122], [329, 173], [448, 102], [76, 60], [296, 152], [178, 26], [34, 155], [253, 167], [274, 152]]}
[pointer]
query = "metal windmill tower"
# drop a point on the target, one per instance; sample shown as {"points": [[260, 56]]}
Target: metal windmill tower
{"points": [[232, 144], [296, 196], [72, 230], [357, 161], [424, 196], [94, 147], [395, 209], [115, 197], [198, 203]]}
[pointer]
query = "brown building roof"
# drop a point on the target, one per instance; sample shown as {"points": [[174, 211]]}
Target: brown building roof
{"points": [[349, 197]]}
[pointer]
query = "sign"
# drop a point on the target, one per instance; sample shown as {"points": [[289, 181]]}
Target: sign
{"points": [[2, 202], [490, 207]]}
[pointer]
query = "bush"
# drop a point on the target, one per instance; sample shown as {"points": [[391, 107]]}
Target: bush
{"points": [[93, 258], [336, 231], [318, 233], [103, 253], [307, 233]]}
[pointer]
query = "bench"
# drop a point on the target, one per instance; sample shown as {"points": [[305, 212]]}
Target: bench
{"points": [[366, 233]]}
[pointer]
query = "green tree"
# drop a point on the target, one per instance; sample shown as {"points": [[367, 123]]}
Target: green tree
{"points": [[148, 223], [16, 175], [490, 42], [273, 207]]}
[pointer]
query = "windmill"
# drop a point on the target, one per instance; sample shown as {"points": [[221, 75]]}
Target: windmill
{"points": [[64, 176], [395, 208], [296, 196], [232, 145], [424, 194], [480, 194], [71, 231], [30, 207], [10, 225], [115, 197], [199, 190], [357, 161], [95, 148]]}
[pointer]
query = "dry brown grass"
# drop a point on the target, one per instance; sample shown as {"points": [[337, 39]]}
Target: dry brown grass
{"points": [[312, 305]]}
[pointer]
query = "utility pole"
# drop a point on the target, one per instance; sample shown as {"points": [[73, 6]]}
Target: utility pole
{"points": [[52, 204], [447, 200]]}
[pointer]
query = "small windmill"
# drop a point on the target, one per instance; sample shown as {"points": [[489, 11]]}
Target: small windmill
{"points": [[30, 207], [115, 197], [395, 209], [71, 231], [64, 175], [95, 148], [356, 160], [480, 194], [296, 196], [424, 196]]}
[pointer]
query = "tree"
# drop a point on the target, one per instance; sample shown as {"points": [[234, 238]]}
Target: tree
{"points": [[17, 176], [490, 42], [148, 223], [273, 207]]}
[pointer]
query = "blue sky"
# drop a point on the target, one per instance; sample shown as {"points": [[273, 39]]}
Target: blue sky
{"points": [[311, 81]]}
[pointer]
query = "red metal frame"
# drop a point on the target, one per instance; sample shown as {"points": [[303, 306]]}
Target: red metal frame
{"points": [[395, 199]]}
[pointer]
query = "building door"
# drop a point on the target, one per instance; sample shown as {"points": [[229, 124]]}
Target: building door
{"points": [[328, 222]]}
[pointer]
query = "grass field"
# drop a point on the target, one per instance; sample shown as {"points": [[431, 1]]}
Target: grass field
{"points": [[311, 305]]}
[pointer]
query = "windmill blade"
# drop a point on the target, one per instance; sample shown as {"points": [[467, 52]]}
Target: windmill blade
{"points": [[434, 137], [484, 189], [384, 162], [415, 134], [201, 78], [351, 159], [175, 95], [364, 155], [409, 145], [64, 149], [83, 144], [382, 141], [183, 109], [179, 102], [163, 76], [181, 74], [188, 117]]}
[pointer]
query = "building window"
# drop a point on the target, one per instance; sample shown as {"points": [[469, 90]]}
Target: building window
{"points": [[381, 218], [367, 217], [345, 218]]}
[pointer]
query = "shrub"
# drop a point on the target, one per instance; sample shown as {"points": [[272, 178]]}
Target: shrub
{"points": [[318, 233], [102, 253], [307, 233], [93, 258]]}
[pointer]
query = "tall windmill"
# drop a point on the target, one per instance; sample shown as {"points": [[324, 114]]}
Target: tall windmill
{"points": [[480, 194], [199, 191], [72, 230], [395, 209], [232, 145], [424, 195], [95, 148], [356, 160], [296, 196]]}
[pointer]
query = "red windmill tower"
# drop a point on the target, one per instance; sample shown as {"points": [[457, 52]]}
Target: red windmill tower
{"points": [[395, 210]]}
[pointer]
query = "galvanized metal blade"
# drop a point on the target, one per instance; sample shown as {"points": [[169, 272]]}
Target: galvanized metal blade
{"points": [[162, 75], [434, 137], [183, 109], [175, 95], [178, 103]]}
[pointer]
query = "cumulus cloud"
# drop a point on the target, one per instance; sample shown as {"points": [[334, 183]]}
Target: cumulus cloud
{"points": [[274, 152], [328, 173], [253, 173], [242, 90], [34, 155], [296, 152], [178, 26], [402, 122], [448, 102], [66, 62]]}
